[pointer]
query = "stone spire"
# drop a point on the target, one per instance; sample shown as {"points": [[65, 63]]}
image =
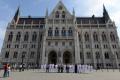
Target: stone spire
{"points": [[105, 14], [46, 12]]}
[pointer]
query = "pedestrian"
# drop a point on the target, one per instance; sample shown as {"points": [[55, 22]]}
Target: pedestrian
{"points": [[8, 70], [47, 68], [75, 68], [20, 67], [5, 71], [67, 68]]}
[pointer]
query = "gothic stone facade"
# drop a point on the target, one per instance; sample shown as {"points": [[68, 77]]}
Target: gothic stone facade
{"points": [[62, 38]]}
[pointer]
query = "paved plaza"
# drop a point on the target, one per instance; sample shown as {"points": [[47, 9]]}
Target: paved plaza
{"points": [[38, 75]]}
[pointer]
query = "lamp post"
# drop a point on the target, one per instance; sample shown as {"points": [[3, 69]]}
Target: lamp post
{"points": [[23, 56], [59, 57]]}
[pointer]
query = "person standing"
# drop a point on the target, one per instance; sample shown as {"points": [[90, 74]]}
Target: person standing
{"points": [[5, 71], [20, 67], [47, 68], [75, 68], [8, 70]]}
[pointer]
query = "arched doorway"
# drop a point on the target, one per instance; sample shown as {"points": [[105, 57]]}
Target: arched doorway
{"points": [[67, 57], [52, 57]]}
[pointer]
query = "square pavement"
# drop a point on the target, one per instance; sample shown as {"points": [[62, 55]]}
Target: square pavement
{"points": [[38, 75]]}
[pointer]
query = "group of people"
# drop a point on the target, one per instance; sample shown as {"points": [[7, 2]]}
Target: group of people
{"points": [[77, 68], [6, 68]]}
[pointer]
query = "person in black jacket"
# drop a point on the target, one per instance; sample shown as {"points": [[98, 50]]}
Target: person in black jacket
{"points": [[75, 68]]}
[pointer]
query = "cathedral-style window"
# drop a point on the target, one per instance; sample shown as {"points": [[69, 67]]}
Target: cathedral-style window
{"points": [[18, 36], [95, 36], [63, 14], [57, 14], [23, 54], [63, 32], [7, 55], [50, 32], [86, 36], [112, 36], [81, 55], [70, 32], [10, 37], [56, 32], [97, 55], [32, 55], [104, 37], [89, 55], [34, 36], [106, 55], [15, 55], [26, 37]]}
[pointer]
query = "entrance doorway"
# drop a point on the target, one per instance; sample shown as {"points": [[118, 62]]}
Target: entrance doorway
{"points": [[52, 57], [67, 57]]}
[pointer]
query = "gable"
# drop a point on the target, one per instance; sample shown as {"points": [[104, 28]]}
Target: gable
{"points": [[59, 11]]}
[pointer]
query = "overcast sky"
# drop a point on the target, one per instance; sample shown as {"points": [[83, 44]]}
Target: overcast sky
{"points": [[38, 7]]}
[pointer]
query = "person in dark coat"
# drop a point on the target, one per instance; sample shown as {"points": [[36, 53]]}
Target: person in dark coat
{"points": [[75, 68], [47, 68], [67, 68]]}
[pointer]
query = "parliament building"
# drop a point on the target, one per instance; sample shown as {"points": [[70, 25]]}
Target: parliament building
{"points": [[60, 37]]}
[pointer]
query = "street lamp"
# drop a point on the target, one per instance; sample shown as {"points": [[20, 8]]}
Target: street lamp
{"points": [[23, 56], [59, 56]]}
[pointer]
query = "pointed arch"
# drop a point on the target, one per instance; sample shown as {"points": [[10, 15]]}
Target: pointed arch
{"points": [[26, 36], [18, 36], [34, 36], [70, 32], [56, 32], [112, 36], [86, 36], [104, 37], [95, 36], [50, 32], [10, 36]]}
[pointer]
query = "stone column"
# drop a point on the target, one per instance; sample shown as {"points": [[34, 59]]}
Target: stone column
{"points": [[77, 47]]}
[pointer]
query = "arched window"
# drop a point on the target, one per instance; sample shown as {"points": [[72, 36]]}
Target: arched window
{"points": [[7, 54], [86, 36], [34, 36], [15, 54], [104, 38], [70, 32], [10, 37], [56, 32], [26, 36], [89, 56], [112, 36], [63, 14], [97, 55], [63, 32], [106, 55], [18, 36], [23, 54], [50, 32], [57, 14], [95, 36]]}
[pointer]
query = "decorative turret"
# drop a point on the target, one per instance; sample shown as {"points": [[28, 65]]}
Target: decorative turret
{"points": [[46, 12], [16, 17], [105, 14], [73, 12]]}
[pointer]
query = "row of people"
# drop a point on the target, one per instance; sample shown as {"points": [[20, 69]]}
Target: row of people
{"points": [[67, 68]]}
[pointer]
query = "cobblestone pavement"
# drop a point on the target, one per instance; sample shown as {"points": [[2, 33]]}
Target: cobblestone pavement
{"points": [[37, 75]]}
